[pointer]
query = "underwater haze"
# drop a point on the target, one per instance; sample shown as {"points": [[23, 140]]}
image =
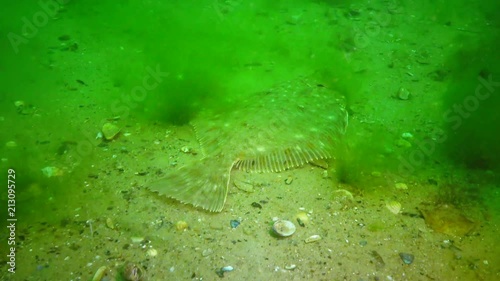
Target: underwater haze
{"points": [[175, 140]]}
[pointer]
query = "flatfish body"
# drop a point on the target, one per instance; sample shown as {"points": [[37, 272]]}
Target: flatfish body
{"points": [[284, 127]]}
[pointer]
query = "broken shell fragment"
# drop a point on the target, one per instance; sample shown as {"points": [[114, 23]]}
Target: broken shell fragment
{"points": [[103, 273], [312, 238], [284, 228], [133, 272], [110, 130], [302, 219], [401, 185], [151, 252]]}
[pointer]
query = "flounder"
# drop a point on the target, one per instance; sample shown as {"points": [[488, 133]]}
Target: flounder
{"points": [[291, 124]]}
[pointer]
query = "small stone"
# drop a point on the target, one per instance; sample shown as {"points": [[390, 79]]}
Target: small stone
{"points": [[407, 135], [181, 225], [220, 272], [289, 180], [407, 258], [234, 223], [110, 224], [51, 171], [256, 205], [186, 149]]}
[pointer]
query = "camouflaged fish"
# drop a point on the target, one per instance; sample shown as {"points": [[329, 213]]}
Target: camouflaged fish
{"points": [[294, 123]]}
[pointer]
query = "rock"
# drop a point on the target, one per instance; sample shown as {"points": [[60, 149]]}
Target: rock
{"points": [[407, 258]]}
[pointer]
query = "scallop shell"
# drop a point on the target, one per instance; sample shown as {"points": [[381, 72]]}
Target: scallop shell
{"points": [[284, 228], [110, 130], [393, 206]]}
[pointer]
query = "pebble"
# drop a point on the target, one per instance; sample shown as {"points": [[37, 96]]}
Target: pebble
{"points": [[181, 225], [110, 224], [51, 171], [407, 258], [234, 223], [186, 149], [220, 272], [407, 135], [256, 205]]}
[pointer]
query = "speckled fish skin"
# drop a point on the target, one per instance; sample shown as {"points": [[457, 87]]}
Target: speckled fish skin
{"points": [[294, 123]]}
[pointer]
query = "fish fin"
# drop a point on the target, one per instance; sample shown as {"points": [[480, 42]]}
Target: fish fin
{"points": [[203, 184]]}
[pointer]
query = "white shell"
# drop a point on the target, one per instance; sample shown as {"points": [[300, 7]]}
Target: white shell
{"points": [[313, 238], [100, 273], [394, 207], [227, 268], [151, 252], [284, 228], [290, 267]]}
